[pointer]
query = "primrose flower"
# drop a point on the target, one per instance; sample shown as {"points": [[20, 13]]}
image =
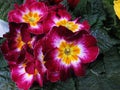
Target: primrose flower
{"points": [[63, 18], [15, 42], [27, 72], [32, 13], [69, 51], [117, 7]]}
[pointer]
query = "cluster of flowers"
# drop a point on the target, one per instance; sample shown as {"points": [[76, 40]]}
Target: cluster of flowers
{"points": [[45, 44]]}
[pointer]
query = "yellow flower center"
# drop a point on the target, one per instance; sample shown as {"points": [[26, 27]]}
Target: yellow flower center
{"points": [[32, 18], [68, 24], [20, 43], [68, 52]]}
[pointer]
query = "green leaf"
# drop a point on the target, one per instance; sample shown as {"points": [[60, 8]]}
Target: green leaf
{"points": [[108, 6], [6, 6], [5, 80], [105, 42], [112, 65], [3, 62], [66, 85]]}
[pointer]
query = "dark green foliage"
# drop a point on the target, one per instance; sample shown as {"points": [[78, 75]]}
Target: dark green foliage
{"points": [[6, 6], [104, 73]]}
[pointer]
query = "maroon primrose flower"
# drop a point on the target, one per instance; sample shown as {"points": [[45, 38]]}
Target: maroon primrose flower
{"points": [[69, 51], [32, 13]]}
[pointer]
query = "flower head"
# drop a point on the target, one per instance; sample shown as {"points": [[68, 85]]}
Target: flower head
{"points": [[26, 73], [69, 51], [16, 41], [33, 14]]}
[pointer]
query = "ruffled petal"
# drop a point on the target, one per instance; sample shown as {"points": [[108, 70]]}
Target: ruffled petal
{"points": [[22, 79], [89, 49], [79, 69], [53, 39]]}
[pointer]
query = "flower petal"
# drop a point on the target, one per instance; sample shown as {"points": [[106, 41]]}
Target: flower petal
{"points": [[22, 79], [79, 69]]}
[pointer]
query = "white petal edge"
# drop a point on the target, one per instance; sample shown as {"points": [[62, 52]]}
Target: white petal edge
{"points": [[4, 27]]}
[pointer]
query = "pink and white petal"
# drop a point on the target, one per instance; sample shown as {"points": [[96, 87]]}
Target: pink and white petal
{"points": [[41, 70], [15, 16], [84, 26], [38, 50], [56, 35], [39, 79], [78, 68], [39, 7], [52, 40], [89, 54], [40, 67], [87, 40], [38, 29], [65, 71], [88, 47], [25, 81], [22, 79]]}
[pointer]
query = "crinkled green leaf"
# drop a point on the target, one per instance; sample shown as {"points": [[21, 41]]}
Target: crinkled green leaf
{"points": [[105, 42], [5, 80], [108, 6], [6, 6], [3, 63], [112, 65], [66, 85]]}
